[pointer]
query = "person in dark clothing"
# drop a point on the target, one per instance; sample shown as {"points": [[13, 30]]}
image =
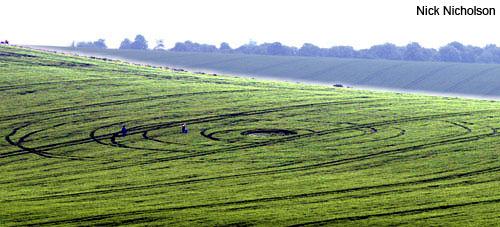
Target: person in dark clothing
{"points": [[124, 131], [184, 128]]}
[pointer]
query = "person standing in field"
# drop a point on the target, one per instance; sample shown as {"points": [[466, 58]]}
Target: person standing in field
{"points": [[184, 128], [124, 131]]}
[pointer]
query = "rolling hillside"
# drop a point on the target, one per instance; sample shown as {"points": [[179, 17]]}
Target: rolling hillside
{"points": [[257, 152], [482, 80]]}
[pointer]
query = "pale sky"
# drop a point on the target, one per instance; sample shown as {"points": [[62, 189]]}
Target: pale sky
{"points": [[326, 23]]}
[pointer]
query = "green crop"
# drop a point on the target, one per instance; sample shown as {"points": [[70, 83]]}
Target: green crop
{"points": [[257, 152]]}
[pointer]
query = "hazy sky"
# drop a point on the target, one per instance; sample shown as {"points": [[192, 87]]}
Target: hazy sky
{"points": [[359, 23]]}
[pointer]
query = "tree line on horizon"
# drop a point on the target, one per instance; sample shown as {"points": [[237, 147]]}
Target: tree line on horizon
{"points": [[452, 52]]}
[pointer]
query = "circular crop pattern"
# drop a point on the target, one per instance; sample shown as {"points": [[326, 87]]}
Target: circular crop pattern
{"points": [[151, 134], [268, 132]]}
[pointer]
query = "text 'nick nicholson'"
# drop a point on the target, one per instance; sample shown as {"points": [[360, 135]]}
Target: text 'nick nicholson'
{"points": [[455, 11]]}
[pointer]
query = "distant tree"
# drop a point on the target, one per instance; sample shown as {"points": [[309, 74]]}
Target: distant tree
{"points": [[415, 52], [249, 49], [99, 44], [275, 48], [460, 47], [384, 51], [139, 43], [309, 49], [225, 48], [207, 48], [341, 52], [125, 44], [430, 54], [457, 52], [189, 46], [363, 53], [84, 44], [489, 54], [159, 45], [449, 53], [471, 54], [181, 47]]}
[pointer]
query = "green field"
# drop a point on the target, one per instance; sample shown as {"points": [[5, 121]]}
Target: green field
{"points": [[257, 152], [453, 79]]}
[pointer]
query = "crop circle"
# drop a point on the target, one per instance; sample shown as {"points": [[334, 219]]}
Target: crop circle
{"points": [[268, 132]]}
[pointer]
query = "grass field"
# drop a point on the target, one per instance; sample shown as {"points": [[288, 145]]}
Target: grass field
{"points": [[449, 78], [257, 152]]}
